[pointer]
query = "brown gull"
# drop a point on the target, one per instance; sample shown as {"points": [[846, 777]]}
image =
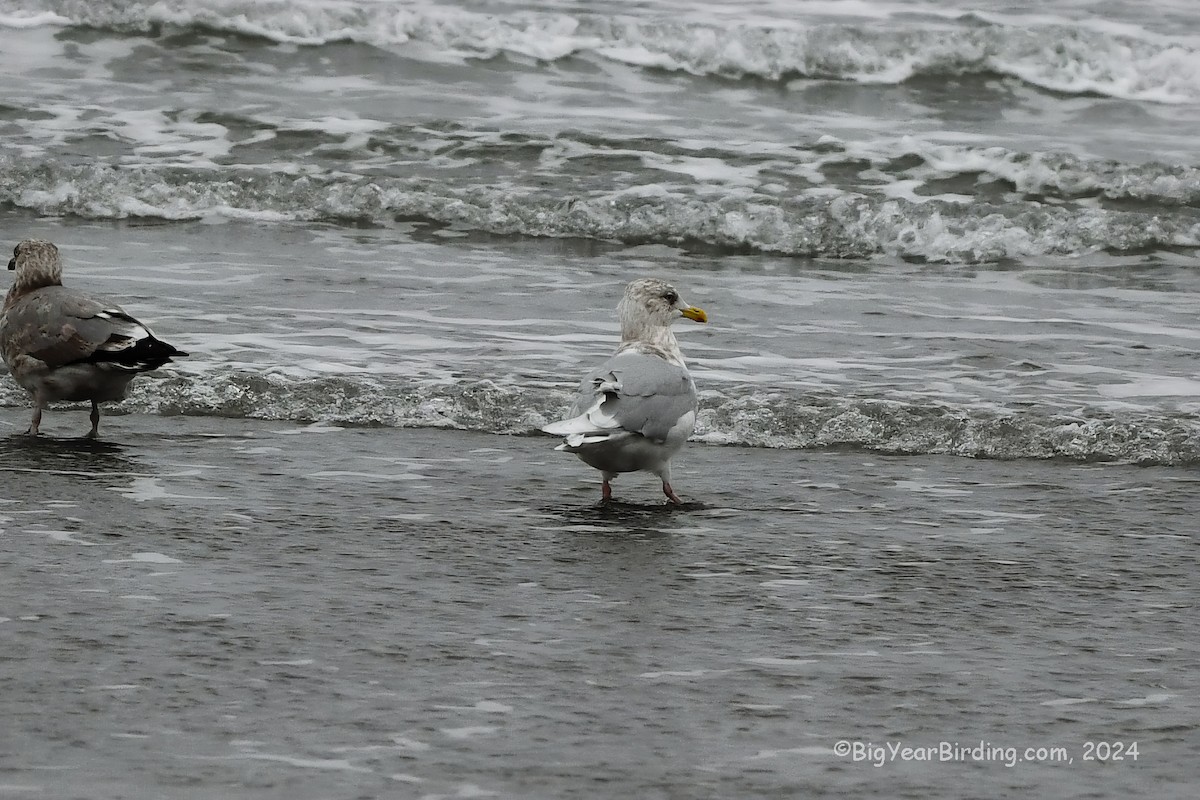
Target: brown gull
{"points": [[636, 410], [60, 344]]}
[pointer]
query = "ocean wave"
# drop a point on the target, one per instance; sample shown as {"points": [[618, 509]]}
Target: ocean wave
{"points": [[350, 150], [1147, 438], [797, 421], [1058, 57], [1062, 176], [848, 225]]}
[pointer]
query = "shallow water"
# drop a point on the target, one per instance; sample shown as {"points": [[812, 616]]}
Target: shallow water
{"points": [[212, 609], [415, 327]]}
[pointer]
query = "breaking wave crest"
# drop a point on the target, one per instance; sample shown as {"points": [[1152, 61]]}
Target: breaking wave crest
{"points": [[796, 421], [1058, 57], [849, 225]]}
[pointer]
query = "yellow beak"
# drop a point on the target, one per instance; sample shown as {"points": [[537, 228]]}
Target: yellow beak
{"points": [[691, 312]]}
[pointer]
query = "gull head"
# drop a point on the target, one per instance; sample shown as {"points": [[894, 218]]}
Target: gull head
{"points": [[37, 264], [35, 255], [650, 303]]}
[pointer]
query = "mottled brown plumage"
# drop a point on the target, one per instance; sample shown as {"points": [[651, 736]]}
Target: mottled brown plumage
{"points": [[60, 344]]}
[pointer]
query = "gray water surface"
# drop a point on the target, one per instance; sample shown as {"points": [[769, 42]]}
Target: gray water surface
{"points": [[211, 608]]}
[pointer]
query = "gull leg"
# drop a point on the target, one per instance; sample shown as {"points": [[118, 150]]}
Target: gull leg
{"points": [[95, 431], [606, 487], [38, 405], [665, 474]]}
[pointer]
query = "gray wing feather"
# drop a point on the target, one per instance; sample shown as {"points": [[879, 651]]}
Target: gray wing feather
{"points": [[56, 326], [652, 396]]}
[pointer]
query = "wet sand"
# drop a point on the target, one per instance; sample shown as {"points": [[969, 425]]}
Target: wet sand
{"points": [[202, 607]]}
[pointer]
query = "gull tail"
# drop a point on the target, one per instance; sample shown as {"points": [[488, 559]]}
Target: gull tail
{"points": [[594, 421], [575, 426]]}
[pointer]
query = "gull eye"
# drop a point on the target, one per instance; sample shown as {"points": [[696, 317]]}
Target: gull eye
{"points": [[671, 297]]}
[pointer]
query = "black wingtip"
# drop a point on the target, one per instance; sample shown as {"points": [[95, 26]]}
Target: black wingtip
{"points": [[145, 355]]}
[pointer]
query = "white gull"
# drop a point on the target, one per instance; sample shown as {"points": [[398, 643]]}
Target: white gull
{"points": [[635, 411]]}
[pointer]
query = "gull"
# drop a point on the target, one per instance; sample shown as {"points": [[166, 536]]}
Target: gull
{"points": [[636, 410], [60, 344]]}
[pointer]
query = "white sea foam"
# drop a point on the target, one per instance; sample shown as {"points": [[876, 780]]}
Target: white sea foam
{"points": [[774, 661], [143, 489], [483, 706], [865, 44], [844, 224], [682, 673], [336, 764], [1154, 387], [926, 488], [35, 19], [469, 731], [1148, 700], [68, 537], [144, 558], [408, 743], [1069, 701], [359, 477], [791, 752], [493, 707], [403, 777]]}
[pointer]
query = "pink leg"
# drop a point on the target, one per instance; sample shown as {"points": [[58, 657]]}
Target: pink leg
{"points": [[670, 493], [605, 491]]}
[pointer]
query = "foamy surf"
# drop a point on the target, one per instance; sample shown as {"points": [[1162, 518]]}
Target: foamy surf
{"points": [[1048, 52], [846, 225], [734, 416]]}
